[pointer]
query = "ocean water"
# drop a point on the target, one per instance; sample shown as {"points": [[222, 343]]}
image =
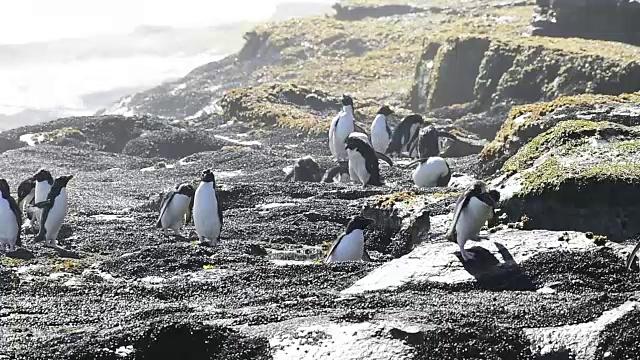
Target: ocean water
{"points": [[69, 57]]}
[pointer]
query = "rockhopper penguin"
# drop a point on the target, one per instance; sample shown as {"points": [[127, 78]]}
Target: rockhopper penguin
{"points": [[176, 207], [349, 246], [380, 130], [341, 126], [473, 209], [207, 212], [10, 219], [53, 211]]}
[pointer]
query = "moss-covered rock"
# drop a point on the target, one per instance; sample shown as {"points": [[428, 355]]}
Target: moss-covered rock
{"points": [[579, 175], [528, 121]]}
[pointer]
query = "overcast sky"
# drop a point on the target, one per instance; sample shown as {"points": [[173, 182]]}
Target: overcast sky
{"points": [[23, 21]]}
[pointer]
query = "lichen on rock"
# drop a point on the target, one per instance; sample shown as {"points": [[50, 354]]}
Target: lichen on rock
{"points": [[580, 175]]}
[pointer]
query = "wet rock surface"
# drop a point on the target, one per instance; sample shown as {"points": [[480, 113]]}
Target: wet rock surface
{"points": [[124, 290]]}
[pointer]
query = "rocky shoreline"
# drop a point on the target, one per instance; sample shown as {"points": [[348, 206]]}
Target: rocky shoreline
{"points": [[550, 283]]}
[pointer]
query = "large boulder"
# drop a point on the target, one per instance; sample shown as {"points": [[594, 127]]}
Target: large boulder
{"points": [[580, 175], [528, 121], [172, 144]]}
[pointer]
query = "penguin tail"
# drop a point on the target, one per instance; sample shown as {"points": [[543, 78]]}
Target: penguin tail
{"points": [[384, 158], [159, 224]]}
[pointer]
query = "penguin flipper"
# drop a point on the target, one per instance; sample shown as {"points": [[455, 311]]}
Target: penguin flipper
{"points": [[289, 176], [384, 158], [219, 210], [25, 188], [42, 233], [18, 214], [461, 203], [163, 207], [189, 214], [632, 256], [44, 204], [414, 162], [333, 247]]}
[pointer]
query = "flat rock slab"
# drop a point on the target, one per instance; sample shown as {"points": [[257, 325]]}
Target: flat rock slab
{"points": [[440, 262]]}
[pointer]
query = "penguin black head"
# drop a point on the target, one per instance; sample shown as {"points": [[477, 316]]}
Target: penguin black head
{"points": [[428, 142], [358, 223], [495, 195], [43, 175], [207, 176], [347, 100], [186, 189], [62, 181], [479, 187], [385, 110], [4, 188]]}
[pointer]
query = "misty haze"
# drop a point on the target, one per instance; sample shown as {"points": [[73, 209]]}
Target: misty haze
{"points": [[320, 179]]}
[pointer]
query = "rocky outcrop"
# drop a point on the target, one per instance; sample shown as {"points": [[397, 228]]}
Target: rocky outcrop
{"points": [[580, 175], [172, 144], [613, 20], [354, 13], [493, 74], [104, 133], [526, 122]]}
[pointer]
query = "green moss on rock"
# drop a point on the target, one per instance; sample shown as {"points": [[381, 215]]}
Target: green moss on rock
{"points": [[528, 121]]}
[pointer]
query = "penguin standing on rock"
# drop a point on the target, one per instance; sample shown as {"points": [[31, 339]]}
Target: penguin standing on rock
{"points": [[207, 212], [363, 162], [341, 126], [432, 170], [380, 130], [176, 206], [10, 219], [405, 135], [54, 209], [473, 209], [349, 246], [43, 182]]}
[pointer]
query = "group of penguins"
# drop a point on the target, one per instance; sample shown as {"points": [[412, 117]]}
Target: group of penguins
{"points": [[44, 200], [358, 156]]}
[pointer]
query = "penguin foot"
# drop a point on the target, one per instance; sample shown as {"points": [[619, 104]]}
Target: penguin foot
{"points": [[466, 255]]}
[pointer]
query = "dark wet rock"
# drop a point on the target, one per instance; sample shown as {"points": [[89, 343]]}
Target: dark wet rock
{"points": [[452, 342], [402, 220], [549, 178], [172, 144], [528, 121], [612, 20], [353, 13], [485, 124], [104, 133], [8, 142], [619, 341]]}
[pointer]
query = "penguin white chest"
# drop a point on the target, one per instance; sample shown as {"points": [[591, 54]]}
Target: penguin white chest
{"points": [[8, 224], [472, 218], [358, 167], [350, 248], [427, 173], [205, 212], [175, 211], [42, 191], [343, 128], [379, 136], [56, 215]]}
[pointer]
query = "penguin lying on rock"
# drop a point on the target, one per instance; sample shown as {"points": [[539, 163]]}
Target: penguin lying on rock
{"points": [[349, 246], [10, 219], [432, 170], [473, 209], [176, 206], [305, 169]]}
